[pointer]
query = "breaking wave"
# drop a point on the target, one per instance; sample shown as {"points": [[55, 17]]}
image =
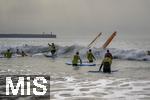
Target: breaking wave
{"points": [[68, 51]]}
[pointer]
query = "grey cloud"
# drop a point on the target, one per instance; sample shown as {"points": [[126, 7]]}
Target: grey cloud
{"points": [[74, 15]]}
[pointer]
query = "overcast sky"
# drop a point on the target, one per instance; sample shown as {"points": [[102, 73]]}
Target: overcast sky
{"points": [[74, 16]]}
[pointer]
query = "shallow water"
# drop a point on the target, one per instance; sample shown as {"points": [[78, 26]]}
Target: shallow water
{"points": [[130, 82]]}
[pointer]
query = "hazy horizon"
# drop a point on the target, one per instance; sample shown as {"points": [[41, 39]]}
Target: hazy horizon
{"points": [[75, 16]]}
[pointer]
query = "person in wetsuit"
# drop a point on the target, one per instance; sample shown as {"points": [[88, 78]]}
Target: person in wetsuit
{"points": [[18, 52], [106, 64], [52, 48], [108, 54], [76, 59], [23, 54], [8, 54], [90, 56]]}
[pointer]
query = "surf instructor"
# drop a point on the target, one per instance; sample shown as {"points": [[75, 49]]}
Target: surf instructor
{"points": [[106, 63], [108, 54]]}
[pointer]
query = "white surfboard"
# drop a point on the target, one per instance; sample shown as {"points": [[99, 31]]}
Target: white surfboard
{"points": [[49, 55], [83, 64]]}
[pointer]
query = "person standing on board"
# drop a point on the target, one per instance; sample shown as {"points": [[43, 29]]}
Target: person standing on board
{"points": [[90, 56], [52, 48], [76, 59]]}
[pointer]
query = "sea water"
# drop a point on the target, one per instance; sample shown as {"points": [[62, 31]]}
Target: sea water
{"points": [[130, 82]]}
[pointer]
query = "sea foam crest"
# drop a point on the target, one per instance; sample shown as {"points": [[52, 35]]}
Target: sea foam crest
{"points": [[69, 51]]}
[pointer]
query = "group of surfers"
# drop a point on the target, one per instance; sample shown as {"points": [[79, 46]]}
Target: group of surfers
{"points": [[106, 63], [8, 53]]}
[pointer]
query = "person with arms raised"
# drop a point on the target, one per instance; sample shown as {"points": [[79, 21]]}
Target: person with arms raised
{"points": [[52, 48]]}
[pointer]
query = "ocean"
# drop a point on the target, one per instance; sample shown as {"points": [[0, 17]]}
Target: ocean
{"points": [[130, 82]]}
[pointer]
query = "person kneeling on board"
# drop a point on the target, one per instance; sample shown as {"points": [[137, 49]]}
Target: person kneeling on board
{"points": [[76, 59], [8, 54], [90, 56], [52, 48], [106, 64]]}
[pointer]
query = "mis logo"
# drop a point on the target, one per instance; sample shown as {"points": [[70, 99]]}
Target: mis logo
{"points": [[26, 85]]}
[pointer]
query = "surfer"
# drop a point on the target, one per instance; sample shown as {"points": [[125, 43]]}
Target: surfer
{"points": [[8, 54], [76, 58], [148, 52], [23, 54], [106, 64], [90, 56], [108, 54], [52, 48], [18, 52]]}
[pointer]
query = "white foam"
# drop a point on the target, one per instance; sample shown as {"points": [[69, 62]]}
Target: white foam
{"points": [[68, 51], [105, 88]]}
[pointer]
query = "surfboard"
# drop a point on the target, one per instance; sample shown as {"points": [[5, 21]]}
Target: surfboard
{"points": [[13, 56], [109, 40], [1, 56], [94, 39], [83, 64], [101, 71], [49, 55]]}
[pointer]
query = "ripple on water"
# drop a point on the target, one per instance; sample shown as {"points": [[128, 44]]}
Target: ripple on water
{"points": [[70, 88]]}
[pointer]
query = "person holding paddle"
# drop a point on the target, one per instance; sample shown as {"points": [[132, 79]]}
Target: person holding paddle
{"points": [[106, 63]]}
